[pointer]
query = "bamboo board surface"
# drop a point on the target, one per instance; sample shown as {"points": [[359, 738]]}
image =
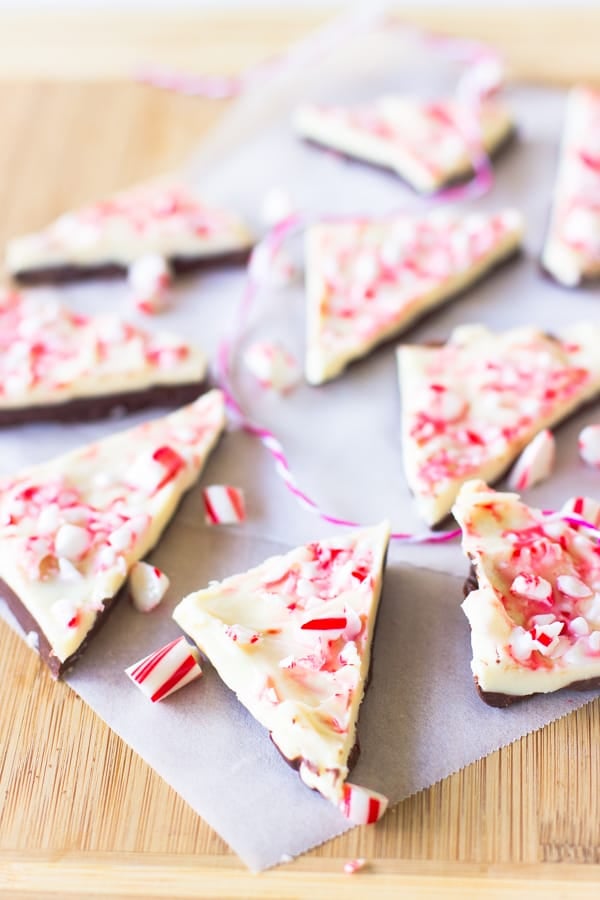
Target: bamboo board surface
{"points": [[80, 814]]}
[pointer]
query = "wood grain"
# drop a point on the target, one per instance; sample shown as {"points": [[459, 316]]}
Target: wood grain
{"points": [[80, 814]]}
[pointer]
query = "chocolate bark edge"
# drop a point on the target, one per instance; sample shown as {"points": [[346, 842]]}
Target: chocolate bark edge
{"points": [[91, 408], [501, 147], [181, 265]]}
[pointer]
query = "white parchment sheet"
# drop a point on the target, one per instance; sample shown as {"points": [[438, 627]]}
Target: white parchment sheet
{"points": [[421, 719]]}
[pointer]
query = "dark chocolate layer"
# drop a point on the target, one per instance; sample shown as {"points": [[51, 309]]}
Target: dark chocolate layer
{"points": [[87, 409], [346, 156], [180, 265]]}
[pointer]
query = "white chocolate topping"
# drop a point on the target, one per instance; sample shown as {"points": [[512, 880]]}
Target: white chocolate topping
{"points": [[163, 218], [71, 528], [292, 638], [50, 354], [535, 616], [369, 280], [503, 388], [426, 143], [572, 249]]}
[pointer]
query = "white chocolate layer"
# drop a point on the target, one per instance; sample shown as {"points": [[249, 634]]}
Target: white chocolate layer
{"points": [[423, 142], [163, 218], [572, 249], [535, 617], [304, 685], [469, 407], [367, 281], [71, 528], [49, 354]]}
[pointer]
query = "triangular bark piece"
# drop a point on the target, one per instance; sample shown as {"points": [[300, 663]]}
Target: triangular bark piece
{"points": [[428, 144], [368, 280], [292, 638], [163, 217], [533, 604], [471, 405], [71, 528], [572, 249], [58, 365]]}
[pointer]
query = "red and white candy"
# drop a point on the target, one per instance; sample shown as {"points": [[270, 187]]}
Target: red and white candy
{"points": [[272, 365], [147, 586], [589, 445], [354, 865], [584, 508], [361, 805], [150, 279], [535, 462], [532, 587], [223, 504], [166, 670]]}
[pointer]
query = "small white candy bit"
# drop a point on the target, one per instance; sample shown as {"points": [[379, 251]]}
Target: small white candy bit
{"points": [[223, 504], [147, 586], [354, 865], [166, 670], [361, 805], [532, 587], [589, 445], [72, 542], [584, 508], [239, 634], [574, 587], [443, 404], [277, 205], [150, 279], [579, 626], [535, 462], [272, 365]]}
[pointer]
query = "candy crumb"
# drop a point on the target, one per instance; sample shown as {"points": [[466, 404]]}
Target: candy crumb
{"points": [[354, 865]]}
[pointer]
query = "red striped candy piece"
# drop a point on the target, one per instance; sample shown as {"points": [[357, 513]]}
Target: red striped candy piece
{"points": [[150, 279], [535, 462], [147, 586], [584, 508], [223, 504], [166, 670], [354, 865], [361, 805]]}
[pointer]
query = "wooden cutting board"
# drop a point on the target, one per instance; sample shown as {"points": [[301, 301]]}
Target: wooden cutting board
{"points": [[80, 814]]}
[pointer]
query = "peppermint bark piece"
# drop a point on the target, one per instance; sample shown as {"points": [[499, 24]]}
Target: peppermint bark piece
{"points": [[428, 144], [292, 637], [470, 406], [571, 252], [72, 528], [534, 609], [164, 218], [368, 280], [58, 365]]}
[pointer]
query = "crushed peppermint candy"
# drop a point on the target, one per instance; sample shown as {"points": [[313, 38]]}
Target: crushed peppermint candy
{"points": [[272, 365], [166, 670], [150, 280], [147, 586], [361, 805], [354, 865], [240, 634], [589, 445], [223, 504], [532, 587], [535, 462]]}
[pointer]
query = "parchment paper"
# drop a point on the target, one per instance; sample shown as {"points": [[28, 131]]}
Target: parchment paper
{"points": [[422, 719]]}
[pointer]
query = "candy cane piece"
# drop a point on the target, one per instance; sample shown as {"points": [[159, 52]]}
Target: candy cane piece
{"points": [[354, 865], [150, 279], [535, 462], [361, 805], [589, 445], [166, 670], [272, 366], [223, 504], [147, 586]]}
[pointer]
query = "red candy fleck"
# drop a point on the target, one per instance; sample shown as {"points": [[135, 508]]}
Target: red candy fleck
{"points": [[171, 461], [333, 623]]}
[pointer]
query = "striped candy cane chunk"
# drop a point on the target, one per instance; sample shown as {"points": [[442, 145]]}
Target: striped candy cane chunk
{"points": [[272, 365], [166, 670], [147, 586], [361, 805], [535, 462], [150, 279], [223, 504], [354, 865], [583, 508], [589, 445]]}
